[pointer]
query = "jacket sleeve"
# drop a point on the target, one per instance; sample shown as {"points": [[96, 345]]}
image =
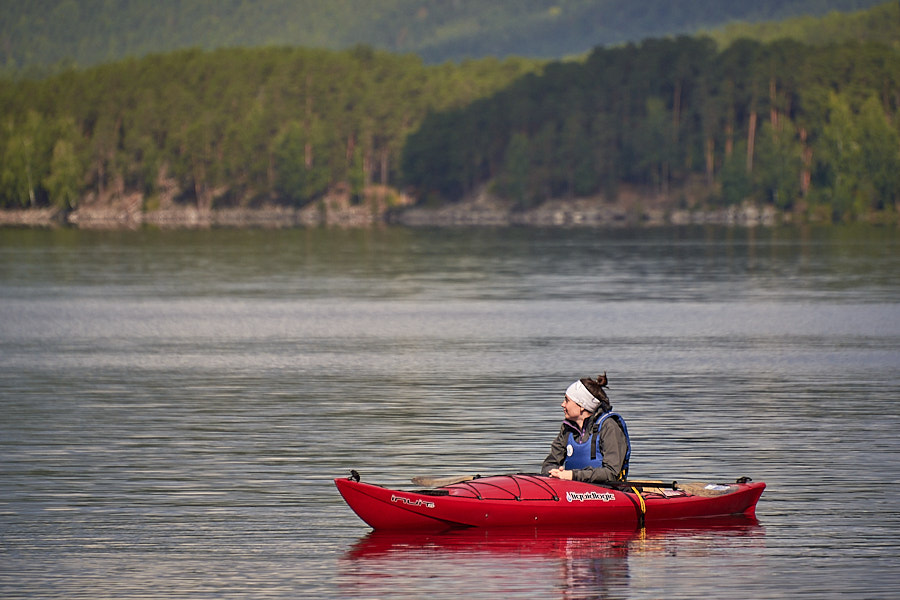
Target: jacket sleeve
{"points": [[557, 455], [613, 447]]}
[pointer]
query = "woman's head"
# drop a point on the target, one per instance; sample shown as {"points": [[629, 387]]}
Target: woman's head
{"points": [[589, 394]]}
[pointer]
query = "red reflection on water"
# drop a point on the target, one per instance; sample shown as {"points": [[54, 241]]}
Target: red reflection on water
{"points": [[522, 562]]}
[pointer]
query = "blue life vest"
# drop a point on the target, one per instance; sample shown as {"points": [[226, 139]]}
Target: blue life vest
{"points": [[580, 455]]}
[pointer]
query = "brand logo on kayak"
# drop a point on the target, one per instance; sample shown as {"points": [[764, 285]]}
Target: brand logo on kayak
{"points": [[411, 502], [576, 497]]}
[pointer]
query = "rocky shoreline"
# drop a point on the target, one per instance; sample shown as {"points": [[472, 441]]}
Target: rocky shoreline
{"points": [[130, 212], [558, 215], [481, 210], [484, 211]]}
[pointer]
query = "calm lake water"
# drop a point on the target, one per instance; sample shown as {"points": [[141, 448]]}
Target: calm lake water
{"points": [[175, 406]]}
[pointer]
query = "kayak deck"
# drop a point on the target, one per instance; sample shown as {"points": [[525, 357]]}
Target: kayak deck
{"points": [[540, 501]]}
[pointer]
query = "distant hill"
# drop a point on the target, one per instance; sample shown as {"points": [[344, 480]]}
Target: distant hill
{"points": [[41, 33], [878, 24]]}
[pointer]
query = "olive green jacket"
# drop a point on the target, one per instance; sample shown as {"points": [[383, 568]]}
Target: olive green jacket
{"points": [[613, 446]]}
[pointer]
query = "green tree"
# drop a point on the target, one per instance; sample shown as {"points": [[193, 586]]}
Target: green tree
{"points": [[514, 181], [880, 142], [576, 156], [301, 177], [736, 181], [859, 158], [653, 143], [63, 182], [26, 160], [776, 177], [606, 155]]}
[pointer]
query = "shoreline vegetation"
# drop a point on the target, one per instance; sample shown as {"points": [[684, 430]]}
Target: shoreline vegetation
{"points": [[674, 130]]}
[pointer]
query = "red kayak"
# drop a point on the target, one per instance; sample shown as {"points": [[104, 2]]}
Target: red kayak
{"points": [[523, 500]]}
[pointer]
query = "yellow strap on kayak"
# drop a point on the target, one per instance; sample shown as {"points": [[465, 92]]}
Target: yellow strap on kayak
{"points": [[643, 505]]}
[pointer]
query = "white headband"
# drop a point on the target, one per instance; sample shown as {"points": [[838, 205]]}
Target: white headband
{"points": [[580, 395]]}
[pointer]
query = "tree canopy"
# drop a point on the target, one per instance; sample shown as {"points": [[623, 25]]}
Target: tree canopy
{"points": [[234, 126], [779, 123], [784, 123]]}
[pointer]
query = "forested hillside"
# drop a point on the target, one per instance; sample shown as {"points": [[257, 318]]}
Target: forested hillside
{"points": [[231, 127], [784, 123], [89, 32], [778, 123]]}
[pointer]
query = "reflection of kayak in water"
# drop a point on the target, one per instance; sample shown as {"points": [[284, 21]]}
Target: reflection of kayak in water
{"points": [[541, 563], [543, 542], [544, 502]]}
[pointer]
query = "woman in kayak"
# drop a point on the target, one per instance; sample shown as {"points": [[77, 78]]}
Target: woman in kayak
{"points": [[593, 443]]}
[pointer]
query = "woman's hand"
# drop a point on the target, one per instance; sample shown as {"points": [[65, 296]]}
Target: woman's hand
{"points": [[561, 474]]}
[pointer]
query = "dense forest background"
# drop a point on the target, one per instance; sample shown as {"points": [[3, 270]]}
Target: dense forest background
{"points": [[89, 32], [784, 123], [803, 125]]}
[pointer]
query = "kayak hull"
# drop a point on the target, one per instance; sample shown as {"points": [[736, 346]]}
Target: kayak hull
{"points": [[537, 501]]}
